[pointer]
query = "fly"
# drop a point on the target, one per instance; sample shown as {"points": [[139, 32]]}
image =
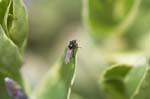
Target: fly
{"points": [[70, 51]]}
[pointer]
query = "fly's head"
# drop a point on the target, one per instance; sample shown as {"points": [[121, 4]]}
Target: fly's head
{"points": [[73, 45]]}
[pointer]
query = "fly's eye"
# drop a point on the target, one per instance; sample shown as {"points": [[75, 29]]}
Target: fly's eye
{"points": [[71, 46]]}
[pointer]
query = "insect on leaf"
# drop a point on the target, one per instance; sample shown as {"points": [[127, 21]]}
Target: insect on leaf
{"points": [[57, 82]]}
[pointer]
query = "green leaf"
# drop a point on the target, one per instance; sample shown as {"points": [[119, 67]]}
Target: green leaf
{"points": [[57, 83], [16, 23], [113, 83], [134, 78], [123, 82], [144, 87], [10, 61], [13, 35], [103, 17], [117, 71], [3, 7]]}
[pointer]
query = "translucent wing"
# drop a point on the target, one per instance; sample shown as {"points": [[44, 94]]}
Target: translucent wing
{"points": [[68, 55]]}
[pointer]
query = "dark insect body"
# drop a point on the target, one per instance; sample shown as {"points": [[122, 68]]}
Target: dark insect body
{"points": [[70, 51]]}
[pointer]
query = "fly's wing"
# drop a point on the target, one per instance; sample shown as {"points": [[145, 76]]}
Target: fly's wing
{"points": [[68, 56]]}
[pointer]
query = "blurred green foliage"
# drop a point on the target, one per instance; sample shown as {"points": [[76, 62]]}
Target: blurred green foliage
{"points": [[139, 28], [104, 17], [121, 26]]}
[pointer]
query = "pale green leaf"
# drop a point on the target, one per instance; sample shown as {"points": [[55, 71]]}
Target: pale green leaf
{"points": [[113, 81], [122, 82], [144, 88], [134, 78], [57, 83]]}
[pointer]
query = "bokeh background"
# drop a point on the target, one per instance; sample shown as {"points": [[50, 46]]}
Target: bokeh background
{"points": [[53, 23]]}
